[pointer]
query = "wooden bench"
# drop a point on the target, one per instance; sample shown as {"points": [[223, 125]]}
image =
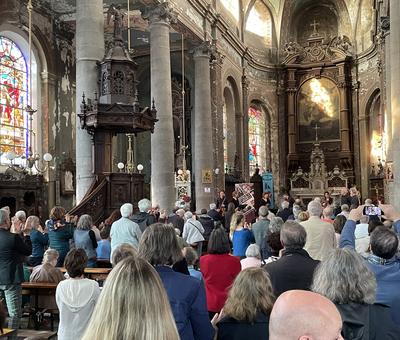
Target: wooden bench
{"points": [[97, 274], [37, 289]]}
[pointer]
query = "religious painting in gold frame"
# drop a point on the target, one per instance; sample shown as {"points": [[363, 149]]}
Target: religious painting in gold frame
{"points": [[318, 111], [206, 176]]}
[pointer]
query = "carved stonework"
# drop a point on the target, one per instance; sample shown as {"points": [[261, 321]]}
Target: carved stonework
{"points": [[160, 13]]}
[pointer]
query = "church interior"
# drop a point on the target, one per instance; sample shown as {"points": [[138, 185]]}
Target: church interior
{"points": [[267, 119], [281, 75]]}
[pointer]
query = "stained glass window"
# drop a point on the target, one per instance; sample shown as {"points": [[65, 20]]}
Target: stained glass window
{"points": [[257, 138], [13, 100]]}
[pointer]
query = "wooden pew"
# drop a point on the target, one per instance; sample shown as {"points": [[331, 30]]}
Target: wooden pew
{"points": [[97, 274], [37, 289]]}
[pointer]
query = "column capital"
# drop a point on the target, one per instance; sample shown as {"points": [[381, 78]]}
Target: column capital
{"points": [[160, 13], [204, 50]]}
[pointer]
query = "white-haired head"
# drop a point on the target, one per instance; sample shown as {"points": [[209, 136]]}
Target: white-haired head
{"points": [[253, 250], [126, 210], [144, 205], [187, 215], [180, 212], [285, 204], [213, 206], [20, 215], [314, 208]]}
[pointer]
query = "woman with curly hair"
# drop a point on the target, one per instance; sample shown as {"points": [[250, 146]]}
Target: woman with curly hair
{"points": [[247, 309]]}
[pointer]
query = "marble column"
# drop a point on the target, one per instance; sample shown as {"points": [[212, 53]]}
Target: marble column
{"points": [[395, 96], [89, 51], [203, 148], [162, 140]]}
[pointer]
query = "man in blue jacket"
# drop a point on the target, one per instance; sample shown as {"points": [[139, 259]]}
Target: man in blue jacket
{"points": [[382, 259], [13, 248]]}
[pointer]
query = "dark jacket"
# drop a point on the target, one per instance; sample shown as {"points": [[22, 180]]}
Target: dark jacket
{"points": [[294, 270], [284, 214], [13, 249], [231, 329], [176, 221], [59, 238], [187, 297], [143, 219], [367, 322], [208, 224], [215, 215]]}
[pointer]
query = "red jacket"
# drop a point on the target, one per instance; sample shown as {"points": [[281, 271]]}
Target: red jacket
{"points": [[219, 272]]}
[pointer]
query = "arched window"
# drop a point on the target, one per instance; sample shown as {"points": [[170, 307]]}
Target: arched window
{"points": [[259, 22], [257, 138], [13, 100]]}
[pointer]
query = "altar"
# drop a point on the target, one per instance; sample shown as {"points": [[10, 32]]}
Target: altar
{"points": [[315, 182]]}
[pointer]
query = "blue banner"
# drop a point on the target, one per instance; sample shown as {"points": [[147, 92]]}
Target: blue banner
{"points": [[268, 185]]}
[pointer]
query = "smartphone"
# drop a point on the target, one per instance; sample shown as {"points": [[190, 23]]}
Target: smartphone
{"points": [[372, 211]]}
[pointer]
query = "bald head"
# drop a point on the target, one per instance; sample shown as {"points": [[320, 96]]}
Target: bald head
{"points": [[303, 315]]}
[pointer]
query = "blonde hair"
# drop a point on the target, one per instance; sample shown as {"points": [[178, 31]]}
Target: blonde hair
{"points": [[303, 216], [251, 293], [132, 305], [33, 222], [50, 255], [237, 219]]}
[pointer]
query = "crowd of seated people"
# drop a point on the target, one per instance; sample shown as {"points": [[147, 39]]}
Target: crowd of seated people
{"points": [[237, 281]]}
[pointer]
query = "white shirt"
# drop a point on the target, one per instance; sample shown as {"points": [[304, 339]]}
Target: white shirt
{"points": [[124, 231], [76, 299], [193, 231]]}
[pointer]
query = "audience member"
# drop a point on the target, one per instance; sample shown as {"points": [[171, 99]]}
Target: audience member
{"points": [[61, 231], [2, 316], [207, 222], [192, 259], [176, 219], [327, 214], [228, 215], [382, 259], [295, 269], [13, 248], [338, 224], [260, 228], [275, 226], [218, 281], [285, 212], [240, 235], [143, 218], [47, 272], [320, 235], [85, 238], [193, 232], [345, 279], [186, 294], [76, 297], [18, 222], [215, 214], [362, 236], [124, 230], [253, 257], [274, 248], [246, 311], [296, 211], [345, 210], [302, 315], [132, 305], [103, 249], [123, 251], [39, 239], [303, 216]]}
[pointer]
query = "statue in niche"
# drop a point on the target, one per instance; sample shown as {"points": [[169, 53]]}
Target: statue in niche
{"points": [[68, 181]]}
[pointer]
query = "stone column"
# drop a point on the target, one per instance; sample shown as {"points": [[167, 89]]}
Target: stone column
{"points": [[245, 106], [217, 120], [344, 110], [203, 148], [395, 96], [162, 140], [89, 50], [291, 113]]}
